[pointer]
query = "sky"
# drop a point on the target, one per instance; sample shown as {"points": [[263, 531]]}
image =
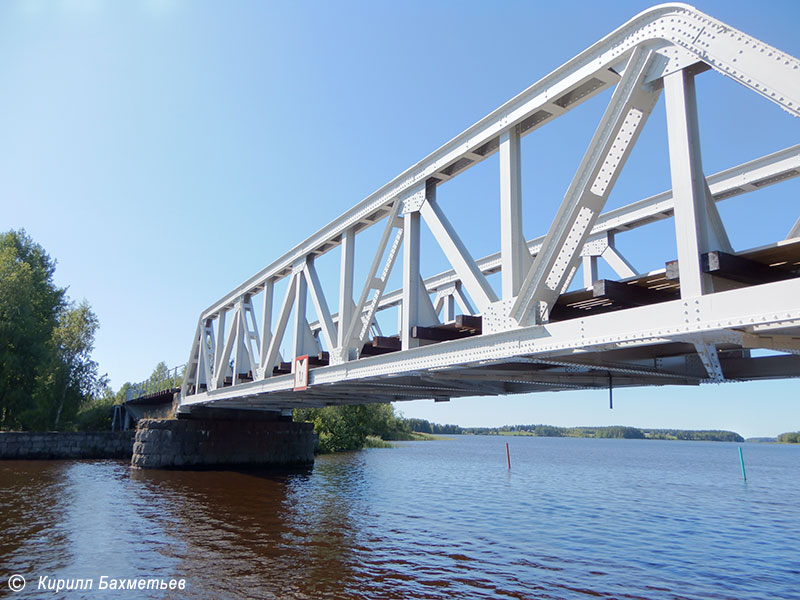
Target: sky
{"points": [[164, 151]]}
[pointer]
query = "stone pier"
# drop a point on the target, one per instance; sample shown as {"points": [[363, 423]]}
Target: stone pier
{"points": [[196, 443]]}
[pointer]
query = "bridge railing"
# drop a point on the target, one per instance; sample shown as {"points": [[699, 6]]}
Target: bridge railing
{"points": [[167, 379]]}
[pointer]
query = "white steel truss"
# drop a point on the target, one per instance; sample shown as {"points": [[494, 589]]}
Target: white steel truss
{"points": [[695, 321]]}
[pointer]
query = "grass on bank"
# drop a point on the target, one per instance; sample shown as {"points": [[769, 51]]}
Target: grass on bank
{"points": [[374, 441]]}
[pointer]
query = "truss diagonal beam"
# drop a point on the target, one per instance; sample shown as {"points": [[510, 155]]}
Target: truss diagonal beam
{"points": [[192, 374], [266, 320], [710, 359], [617, 261], [320, 304], [795, 230], [280, 328], [359, 325], [619, 128], [221, 366], [456, 252], [206, 354]]}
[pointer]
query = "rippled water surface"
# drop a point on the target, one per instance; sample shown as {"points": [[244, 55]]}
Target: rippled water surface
{"points": [[574, 518]]}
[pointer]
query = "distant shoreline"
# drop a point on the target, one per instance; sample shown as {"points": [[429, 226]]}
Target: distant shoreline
{"points": [[609, 432]]}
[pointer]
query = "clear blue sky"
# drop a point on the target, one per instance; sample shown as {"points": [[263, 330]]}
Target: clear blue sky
{"points": [[164, 151]]}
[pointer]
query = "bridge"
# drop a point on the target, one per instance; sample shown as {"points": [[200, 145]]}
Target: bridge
{"points": [[550, 322]]}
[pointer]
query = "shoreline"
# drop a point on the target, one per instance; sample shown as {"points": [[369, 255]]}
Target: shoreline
{"points": [[56, 445]]}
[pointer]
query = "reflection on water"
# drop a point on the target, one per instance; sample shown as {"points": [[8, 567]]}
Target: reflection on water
{"points": [[573, 519], [33, 496]]}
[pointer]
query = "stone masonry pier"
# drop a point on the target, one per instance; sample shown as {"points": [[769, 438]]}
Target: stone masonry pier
{"points": [[196, 443]]}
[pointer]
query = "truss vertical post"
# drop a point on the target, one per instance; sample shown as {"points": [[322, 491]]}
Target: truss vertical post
{"points": [[449, 309], [249, 337], [300, 323], [589, 271], [220, 333], [346, 287], [207, 354], [266, 320], [410, 306], [696, 231], [240, 362], [515, 256]]}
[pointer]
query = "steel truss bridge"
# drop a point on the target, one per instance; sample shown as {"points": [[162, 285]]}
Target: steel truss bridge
{"points": [[695, 321]]}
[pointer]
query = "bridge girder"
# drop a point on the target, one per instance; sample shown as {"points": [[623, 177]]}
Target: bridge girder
{"points": [[531, 335]]}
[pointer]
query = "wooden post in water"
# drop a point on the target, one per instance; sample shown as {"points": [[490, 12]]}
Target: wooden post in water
{"points": [[508, 456]]}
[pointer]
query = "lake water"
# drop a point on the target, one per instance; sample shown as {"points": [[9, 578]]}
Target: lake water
{"points": [[573, 518]]}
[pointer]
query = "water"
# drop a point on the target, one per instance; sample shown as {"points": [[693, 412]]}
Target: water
{"points": [[574, 518]]}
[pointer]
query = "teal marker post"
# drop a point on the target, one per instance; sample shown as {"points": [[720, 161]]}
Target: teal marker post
{"points": [[741, 460]]}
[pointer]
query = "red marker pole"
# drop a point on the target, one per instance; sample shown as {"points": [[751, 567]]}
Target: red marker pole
{"points": [[508, 456]]}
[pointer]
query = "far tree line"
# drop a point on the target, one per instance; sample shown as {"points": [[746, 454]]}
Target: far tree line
{"points": [[612, 431]]}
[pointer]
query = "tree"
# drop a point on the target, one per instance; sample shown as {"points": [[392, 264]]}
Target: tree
{"points": [[30, 304], [790, 437], [618, 431], [72, 371], [163, 377], [343, 428], [46, 370]]}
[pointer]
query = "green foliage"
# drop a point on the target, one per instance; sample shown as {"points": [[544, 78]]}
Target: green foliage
{"points": [[29, 307], [424, 426], [164, 377], [694, 435], [70, 378], [121, 395], [46, 370], [619, 432], [373, 441], [96, 414], [547, 431], [343, 428], [792, 437]]}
